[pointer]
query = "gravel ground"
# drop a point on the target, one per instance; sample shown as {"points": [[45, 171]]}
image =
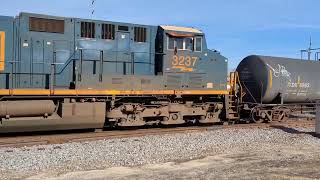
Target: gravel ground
{"points": [[219, 153]]}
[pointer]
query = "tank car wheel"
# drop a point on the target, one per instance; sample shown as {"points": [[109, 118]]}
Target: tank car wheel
{"points": [[254, 116], [285, 111]]}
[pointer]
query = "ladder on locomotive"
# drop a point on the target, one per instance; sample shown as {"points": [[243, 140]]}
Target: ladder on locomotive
{"points": [[234, 98]]}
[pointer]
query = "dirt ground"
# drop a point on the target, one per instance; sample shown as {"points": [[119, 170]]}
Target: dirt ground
{"points": [[297, 163], [233, 166]]}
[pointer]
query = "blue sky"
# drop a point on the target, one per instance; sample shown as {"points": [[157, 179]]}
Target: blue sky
{"points": [[237, 28]]}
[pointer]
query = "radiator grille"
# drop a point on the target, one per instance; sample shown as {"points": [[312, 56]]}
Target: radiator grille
{"points": [[88, 30], [140, 34], [108, 31], [46, 25]]}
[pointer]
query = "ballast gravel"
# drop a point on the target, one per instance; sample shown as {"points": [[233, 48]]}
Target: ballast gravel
{"points": [[16, 163]]}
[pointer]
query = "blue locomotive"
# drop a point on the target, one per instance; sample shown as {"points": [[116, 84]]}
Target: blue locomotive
{"points": [[70, 73]]}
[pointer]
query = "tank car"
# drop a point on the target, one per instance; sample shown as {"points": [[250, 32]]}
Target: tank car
{"points": [[270, 79], [278, 84], [71, 73]]}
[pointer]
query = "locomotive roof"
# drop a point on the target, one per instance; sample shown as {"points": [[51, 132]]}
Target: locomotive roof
{"points": [[165, 27], [182, 29]]}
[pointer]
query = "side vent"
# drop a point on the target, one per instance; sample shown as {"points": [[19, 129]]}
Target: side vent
{"points": [[108, 31], [123, 28], [140, 34], [88, 30]]}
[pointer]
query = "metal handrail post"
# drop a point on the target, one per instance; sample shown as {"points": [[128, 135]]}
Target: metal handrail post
{"points": [[101, 66]]}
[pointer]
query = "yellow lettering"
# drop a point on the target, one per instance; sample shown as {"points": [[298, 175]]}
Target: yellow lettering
{"points": [[184, 63], [188, 61], [181, 61], [194, 60], [175, 60]]}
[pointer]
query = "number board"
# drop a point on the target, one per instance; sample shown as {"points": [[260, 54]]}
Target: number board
{"points": [[184, 63]]}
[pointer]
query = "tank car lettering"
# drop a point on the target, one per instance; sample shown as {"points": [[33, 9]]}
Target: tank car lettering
{"points": [[280, 71], [298, 85], [245, 75], [304, 85], [184, 63], [2, 50], [292, 85], [301, 94]]}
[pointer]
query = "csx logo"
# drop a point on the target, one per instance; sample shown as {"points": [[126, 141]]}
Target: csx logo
{"points": [[184, 63]]}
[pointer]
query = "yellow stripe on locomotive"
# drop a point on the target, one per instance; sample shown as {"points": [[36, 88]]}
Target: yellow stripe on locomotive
{"points": [[2, 50]]}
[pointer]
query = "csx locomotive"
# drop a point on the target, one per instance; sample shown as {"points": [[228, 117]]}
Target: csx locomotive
{"points": [[70, 73]]}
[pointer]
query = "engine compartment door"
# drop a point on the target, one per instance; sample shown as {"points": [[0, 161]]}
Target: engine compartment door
{"points": [[6, 51]]}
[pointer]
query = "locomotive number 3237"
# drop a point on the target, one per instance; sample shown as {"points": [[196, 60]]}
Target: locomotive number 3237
{"points": [[187, 61]]}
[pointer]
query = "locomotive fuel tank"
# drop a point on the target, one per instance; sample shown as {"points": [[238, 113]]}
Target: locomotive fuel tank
{"points": [[270, 79], [26, 108]]}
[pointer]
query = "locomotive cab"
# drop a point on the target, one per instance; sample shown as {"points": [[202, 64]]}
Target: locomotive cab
{"points": [[183, 58]]}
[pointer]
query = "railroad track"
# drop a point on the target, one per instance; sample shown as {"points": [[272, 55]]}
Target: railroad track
{"points": [[38, 139]]}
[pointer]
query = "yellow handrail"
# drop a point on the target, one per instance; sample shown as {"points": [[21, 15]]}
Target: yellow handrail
{"points": [[234, 81]]}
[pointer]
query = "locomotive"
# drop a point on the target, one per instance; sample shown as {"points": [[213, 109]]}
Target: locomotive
{"points": [[62, 73], [70, 73]]}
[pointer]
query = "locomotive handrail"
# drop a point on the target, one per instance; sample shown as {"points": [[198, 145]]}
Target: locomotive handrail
{"points": [[241, 88], [118, 51], [234, 81], [70, 59]]}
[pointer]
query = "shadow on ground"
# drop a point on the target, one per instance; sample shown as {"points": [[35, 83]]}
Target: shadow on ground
{"points": [[295, 131]]}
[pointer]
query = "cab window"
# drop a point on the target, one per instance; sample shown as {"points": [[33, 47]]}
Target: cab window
{"points": [[198, 44], [189, 44], [171, 43], [180, 43]]}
